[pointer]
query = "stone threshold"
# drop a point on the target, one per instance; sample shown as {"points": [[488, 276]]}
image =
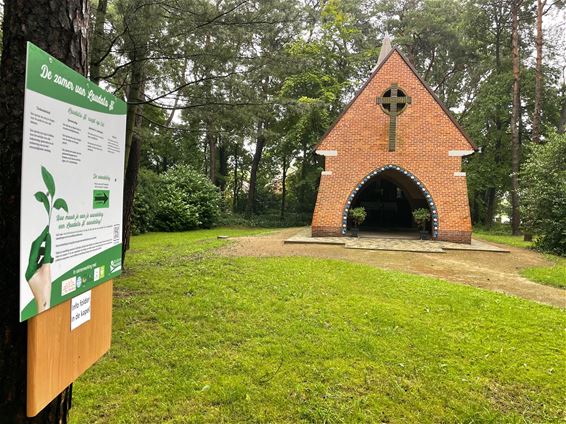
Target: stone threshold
{"points": [[393, 244]]}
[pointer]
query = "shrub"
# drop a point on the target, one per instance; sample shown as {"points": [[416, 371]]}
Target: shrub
{"points": [[145, 200], [543, 194], [269, 219], [173, 212], [358, 216], [178, 200], [421, 217], [187, 200]]}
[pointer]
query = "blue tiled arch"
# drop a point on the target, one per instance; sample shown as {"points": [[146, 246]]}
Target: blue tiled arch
{"points": [[420, 185]]}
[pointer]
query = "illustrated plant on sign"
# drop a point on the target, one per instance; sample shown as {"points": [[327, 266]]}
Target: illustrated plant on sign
{"points": [[38, 272], [358, 216], [421, 217]]}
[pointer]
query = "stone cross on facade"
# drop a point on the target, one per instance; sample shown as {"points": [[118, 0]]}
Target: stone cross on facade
{"points": [[393, 102]]}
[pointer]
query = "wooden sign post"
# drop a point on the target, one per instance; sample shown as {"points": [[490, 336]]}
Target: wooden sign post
{"points": [[71, 222], [56, 359]]}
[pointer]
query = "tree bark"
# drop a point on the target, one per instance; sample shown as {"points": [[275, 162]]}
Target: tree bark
{"points": [[489, 207], [211, 142], [260, 144], [515, 117], [133, 151], [538, 74], [475, 209], [137, 44], [97, 52], [284, 187], [222, 166], [130, 186], [491, 192], [236, 191], [60, 28], [183, 80]]}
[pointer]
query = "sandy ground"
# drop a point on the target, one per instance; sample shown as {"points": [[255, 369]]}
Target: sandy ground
{"points": [[492, 271]]}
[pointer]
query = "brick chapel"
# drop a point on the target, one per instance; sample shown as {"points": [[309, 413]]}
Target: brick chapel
{"points": [[394, 148]]}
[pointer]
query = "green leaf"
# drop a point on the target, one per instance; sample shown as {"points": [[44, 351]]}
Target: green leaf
{"points": [[61, 204], [42, 197], [48, 180]]}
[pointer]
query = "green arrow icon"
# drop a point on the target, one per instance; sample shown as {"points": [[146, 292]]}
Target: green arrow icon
{"points": [[100, 199]]}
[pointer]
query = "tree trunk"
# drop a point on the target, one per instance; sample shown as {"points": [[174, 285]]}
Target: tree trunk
{"points": [[61, 29], [133, 151], [172, 113], [515, 117], [137, 45], [538, 74], [235, 200], [491, 193], [130, 186], [211, 142], [489, 207], [284, 187], [222, 167], [475, 209], [260, 144], [178, 96], [205, 157], [97, 52]]}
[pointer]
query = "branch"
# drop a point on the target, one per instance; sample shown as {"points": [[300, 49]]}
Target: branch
{"points": [[203, 79], [196, 105]]}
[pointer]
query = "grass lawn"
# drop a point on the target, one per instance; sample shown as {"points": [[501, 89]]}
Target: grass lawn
{"points": [[515, 241], [203, 338], [554, 275]]}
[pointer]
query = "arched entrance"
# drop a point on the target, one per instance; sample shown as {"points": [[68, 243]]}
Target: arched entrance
{"points": [[389, 195]]}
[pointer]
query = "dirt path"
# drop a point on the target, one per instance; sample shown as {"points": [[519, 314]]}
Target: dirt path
{"points": [[491, 271]]}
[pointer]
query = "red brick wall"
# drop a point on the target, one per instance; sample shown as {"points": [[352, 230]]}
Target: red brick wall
{"points": [[425, 135]]}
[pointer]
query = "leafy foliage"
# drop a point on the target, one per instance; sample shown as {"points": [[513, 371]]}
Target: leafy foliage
{"points": [[180, 199], [544, 194], [146, 197], [358, 215], [233, 86], [421, 217], [265, 220]]}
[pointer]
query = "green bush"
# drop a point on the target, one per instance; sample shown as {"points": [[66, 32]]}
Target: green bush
{"points": [[187, 200], [173, 212], [181, 199], [269, 219], [358, 216], [543, 196], [145, 200], [421, 217]]}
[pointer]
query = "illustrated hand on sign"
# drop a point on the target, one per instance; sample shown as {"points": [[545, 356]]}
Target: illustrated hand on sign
{"points": [[38, 272]]}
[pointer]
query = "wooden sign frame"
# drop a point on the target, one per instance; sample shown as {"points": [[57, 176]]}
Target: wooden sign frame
{"points": [[56, 355]]}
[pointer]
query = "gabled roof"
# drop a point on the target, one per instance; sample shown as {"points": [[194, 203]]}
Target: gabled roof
{"points": [[380, 64]]}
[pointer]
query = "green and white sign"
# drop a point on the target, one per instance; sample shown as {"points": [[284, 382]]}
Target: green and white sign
{"points": [[72, 183]]}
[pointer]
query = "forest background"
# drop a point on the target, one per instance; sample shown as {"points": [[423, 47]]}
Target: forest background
{"points": [[227, 98]]}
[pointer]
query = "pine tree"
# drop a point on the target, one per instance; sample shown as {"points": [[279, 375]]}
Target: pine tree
{"points": [[61, 29]]}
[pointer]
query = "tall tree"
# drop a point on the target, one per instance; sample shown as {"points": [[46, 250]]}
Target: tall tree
{"points": [[266, 81], [60, 28], [259, 146], [538, 72], [515, 119], [138, 23], [97, 44]]}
